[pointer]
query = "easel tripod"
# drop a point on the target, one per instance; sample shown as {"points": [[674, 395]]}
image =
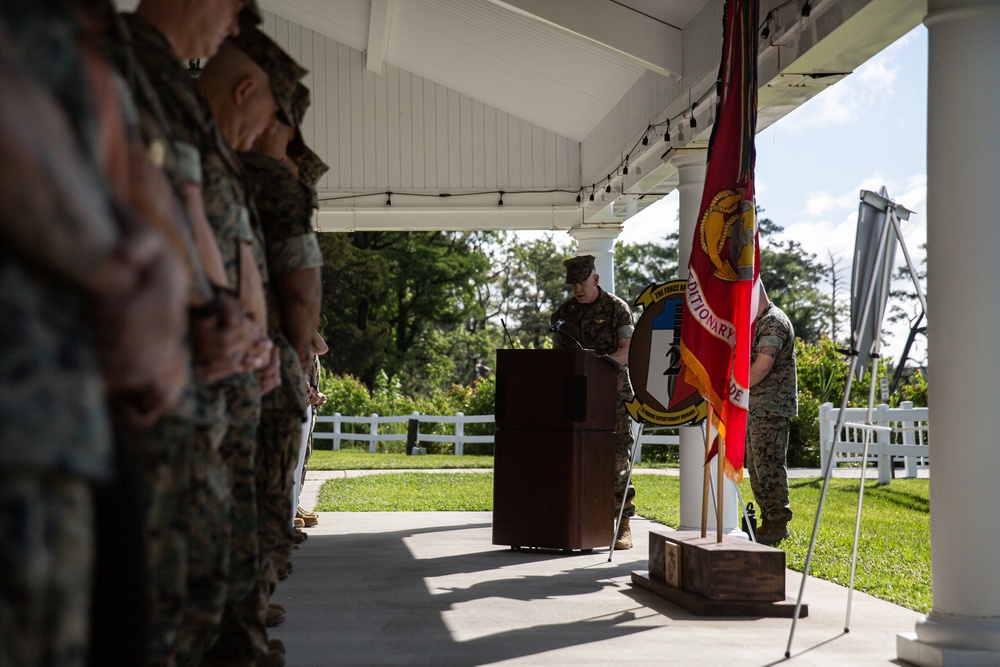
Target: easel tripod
{"points": [[879, 274]]}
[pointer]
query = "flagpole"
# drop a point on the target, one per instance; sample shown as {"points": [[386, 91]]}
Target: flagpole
{"points": [[708, 471], [720, 459]]}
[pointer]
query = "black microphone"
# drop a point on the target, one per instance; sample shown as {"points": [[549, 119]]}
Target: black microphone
{"points": [[557, 328]]}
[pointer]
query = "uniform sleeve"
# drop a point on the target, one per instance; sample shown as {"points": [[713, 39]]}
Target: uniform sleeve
{"points": [[624, 327]]}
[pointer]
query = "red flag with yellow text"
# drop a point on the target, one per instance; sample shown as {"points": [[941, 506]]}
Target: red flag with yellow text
{"points": [[725, 260]]}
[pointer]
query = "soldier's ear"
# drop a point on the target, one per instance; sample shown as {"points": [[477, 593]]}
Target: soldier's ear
{"points": [[244, 90]]}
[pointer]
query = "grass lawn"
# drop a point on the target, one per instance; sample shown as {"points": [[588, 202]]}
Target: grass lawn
{"points": [[356, 459], [893, 553]]}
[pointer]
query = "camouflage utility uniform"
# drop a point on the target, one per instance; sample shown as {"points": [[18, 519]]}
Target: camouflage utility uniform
{"points": [[290, 244], [599, 326], [189, 485], [772, 401], [55, 438]]}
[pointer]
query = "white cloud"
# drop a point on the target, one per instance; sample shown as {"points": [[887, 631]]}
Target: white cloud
{"points": [[850, 100]]}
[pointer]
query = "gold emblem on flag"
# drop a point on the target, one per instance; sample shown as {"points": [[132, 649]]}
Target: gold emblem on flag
{"points": [[728, 221]]}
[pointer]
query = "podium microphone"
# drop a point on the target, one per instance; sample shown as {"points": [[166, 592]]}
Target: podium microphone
{"points": [[557, 328]]}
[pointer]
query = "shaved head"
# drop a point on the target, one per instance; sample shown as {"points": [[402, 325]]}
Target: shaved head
{"points": [[239, 94]]}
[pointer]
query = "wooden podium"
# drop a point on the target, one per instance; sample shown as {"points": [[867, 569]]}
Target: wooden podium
{"points": [[554, 454]]}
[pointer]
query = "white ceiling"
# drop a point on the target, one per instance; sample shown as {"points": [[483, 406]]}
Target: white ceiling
{"points": [[497, 53]]}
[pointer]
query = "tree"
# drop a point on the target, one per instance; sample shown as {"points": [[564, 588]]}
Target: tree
{"points": [[386, 292], [640, 264], [791, 276]]}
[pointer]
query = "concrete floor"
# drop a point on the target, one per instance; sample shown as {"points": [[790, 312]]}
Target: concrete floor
{"points": [[429, 588]]}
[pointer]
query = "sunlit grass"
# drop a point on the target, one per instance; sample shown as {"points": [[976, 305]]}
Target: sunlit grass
{"points": [[355, 459]]}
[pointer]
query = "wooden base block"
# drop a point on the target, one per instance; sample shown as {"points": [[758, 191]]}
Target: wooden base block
{"points": [[733, 577], [705, 607], [733, 569]]}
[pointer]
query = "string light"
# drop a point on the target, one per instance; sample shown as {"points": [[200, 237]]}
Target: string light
{"points": [[806, 9], [608, 188], [666, 133], [694, 121], [500, 203], [625, 168], [766, 31], [388, 199], [579, 196], [592, 192]]}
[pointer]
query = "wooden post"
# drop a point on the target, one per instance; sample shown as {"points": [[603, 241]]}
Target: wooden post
{"points": [[720, 461], [708, 471]]}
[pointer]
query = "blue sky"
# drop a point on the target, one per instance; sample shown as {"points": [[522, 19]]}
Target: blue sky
{"points": [[866, 131]]}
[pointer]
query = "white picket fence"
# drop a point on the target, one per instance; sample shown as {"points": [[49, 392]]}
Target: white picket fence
{"points": [[375, 435], [893, 434], [331, 428]]}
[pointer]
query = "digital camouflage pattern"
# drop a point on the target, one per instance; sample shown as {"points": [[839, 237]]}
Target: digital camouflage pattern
{"points": [[290, 245], [599, 326], [162, 454], [237, 639], [767, 447], [208, 506], [578, 268], [46, 556], [777, 394], [772, 401]]}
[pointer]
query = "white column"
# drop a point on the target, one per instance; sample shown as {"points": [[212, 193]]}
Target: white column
{"points": [[599, 242], [691, 170], [963, 234]]}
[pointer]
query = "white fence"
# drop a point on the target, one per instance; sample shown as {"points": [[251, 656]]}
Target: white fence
{"points": [[893, 434], [374, 435], [331, 428]]}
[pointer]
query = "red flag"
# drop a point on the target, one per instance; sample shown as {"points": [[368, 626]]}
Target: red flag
{"points": [[725, 259]]}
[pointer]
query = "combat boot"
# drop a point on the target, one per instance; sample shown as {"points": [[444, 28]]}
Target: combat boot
{"points": [[771, 533], [309, 519], [624, 540]]}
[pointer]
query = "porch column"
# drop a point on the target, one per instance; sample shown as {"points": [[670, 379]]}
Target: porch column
{"points": [[599, 242], [691, 168], [963, 234]]}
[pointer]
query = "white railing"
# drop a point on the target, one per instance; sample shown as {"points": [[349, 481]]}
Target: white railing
{"points": [[331, 428], [893, 434], [649, 438], [375, 435]]}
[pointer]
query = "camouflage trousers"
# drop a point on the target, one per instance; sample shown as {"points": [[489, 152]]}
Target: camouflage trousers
{"points": [[239, 639], [46, 559], [279, 441], [208, 544], [623, 448], [162, 453], [767, 447]]}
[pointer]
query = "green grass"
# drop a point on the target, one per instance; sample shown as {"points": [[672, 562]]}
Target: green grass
{"points": [[409, 492], [893, 551], [356, 459]]}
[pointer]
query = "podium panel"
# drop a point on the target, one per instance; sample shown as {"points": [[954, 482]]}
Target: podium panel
{"points": [[554, 390], [553, 489]]}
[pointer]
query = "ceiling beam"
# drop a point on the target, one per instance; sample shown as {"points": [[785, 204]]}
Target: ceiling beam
{"points": [[378, 34], [644, 41]]}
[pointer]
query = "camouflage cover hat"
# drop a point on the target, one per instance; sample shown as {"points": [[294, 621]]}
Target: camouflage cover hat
{"points": [[311, 167], [578, 269], [250, 8], [301, 100], [283, 72]]}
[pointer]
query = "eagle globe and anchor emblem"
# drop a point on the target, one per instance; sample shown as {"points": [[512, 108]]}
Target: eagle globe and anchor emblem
{"points": [[655, 360]]}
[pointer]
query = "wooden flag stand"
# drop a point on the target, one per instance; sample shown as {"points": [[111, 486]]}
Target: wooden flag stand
{"points": [[720, 576]]}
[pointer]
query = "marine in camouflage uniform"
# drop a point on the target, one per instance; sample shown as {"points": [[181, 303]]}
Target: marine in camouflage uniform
{"points": [[186, 480], [773, 399], [55, 438], [54, 435], [285, 214], [599, 326], [231, 544]]}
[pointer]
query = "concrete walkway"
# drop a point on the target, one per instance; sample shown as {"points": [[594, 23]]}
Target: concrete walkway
{"points": [[430, 588]]}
